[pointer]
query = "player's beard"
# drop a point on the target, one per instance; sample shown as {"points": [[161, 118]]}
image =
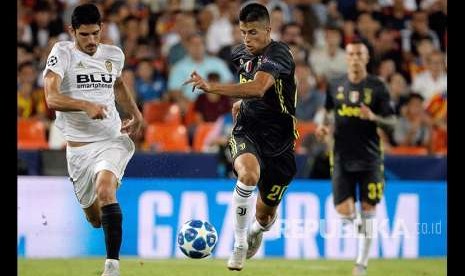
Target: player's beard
{"points": [[91, 49]]}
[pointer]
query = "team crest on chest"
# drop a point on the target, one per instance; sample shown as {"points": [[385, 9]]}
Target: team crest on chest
{"points": [[354, 96], [248, 66], [367, 95], [340, 93], [109, 66]]}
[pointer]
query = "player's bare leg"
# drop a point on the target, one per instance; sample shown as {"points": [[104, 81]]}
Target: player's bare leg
{"points": [[265, 217], [111, 219], [93, 214], [365, 235], [347, 213], [248, 174]]}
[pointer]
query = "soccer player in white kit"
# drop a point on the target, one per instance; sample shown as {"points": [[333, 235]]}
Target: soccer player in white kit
{"points": [[82, 81]]}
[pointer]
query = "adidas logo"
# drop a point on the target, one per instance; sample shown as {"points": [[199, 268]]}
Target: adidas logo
{"points": [[80, 65]]}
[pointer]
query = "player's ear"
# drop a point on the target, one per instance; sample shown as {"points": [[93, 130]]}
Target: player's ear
{"points": [[71, 31]]}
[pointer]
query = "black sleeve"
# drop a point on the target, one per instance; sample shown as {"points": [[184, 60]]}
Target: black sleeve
{"points": [[277, 61], [383, 106], [329, 102]]}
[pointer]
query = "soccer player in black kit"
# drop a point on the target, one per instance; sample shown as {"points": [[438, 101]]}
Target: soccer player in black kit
{"points": [[262, 142], [361, 104]]}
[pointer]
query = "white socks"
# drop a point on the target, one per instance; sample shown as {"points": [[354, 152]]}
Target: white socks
{"points": [[347, 224], [241, 205], [365, 236]]}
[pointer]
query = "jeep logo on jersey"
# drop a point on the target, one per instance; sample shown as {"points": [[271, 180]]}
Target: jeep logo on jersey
{"points": [[106, 78]]}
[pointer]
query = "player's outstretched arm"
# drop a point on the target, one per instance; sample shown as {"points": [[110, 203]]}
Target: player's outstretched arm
{"points": [[124, 99], [57, 101], [253, 89], [387, 123]]}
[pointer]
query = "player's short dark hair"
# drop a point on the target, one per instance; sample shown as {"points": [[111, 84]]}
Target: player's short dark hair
{"points": [[254, 12], [86, 14]]}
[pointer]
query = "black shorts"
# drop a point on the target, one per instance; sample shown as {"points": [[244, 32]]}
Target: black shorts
{"points": [[370, 183], [276, 172]]}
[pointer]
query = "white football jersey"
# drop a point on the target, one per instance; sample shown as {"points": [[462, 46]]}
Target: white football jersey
{"points": [[89, 78]]}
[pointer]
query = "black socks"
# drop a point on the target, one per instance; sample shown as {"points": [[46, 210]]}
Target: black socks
{"points": [[111, 223]]}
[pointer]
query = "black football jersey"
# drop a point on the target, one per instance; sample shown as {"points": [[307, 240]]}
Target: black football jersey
{"points": [[268, 121]]}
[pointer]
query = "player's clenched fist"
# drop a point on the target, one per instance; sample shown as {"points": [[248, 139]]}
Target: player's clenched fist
{"points": [[96, 111]]}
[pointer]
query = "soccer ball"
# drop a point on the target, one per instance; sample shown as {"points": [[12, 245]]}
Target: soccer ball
{"points": [[197, 238]]}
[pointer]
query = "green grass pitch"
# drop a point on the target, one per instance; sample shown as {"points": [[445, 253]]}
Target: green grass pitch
{"points": [[217, 267]]}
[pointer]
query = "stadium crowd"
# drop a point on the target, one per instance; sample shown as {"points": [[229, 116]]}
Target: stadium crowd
{"points": [[165, 40]]}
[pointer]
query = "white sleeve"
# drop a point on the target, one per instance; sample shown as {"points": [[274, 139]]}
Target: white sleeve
{"points": [[121, 67], [57, 61]]}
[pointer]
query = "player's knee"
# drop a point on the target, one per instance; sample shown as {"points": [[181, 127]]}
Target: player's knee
{"points": [[344, 210], [105, 194], [248, 177], [367, 207]]}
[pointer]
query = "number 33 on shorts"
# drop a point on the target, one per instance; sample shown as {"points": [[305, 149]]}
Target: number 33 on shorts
{"points": [[375, 190]]}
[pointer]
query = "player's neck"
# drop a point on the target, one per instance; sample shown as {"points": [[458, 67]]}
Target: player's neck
{"points": [[82, 51], [357, 76], [264, 47]]}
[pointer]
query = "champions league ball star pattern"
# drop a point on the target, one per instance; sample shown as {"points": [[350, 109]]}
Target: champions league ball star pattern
{"points": [[197, 238]]}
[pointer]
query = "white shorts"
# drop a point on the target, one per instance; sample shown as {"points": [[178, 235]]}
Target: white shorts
{"points": [[86, 161]]}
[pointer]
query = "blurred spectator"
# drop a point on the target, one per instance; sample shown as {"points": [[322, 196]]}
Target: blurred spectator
{"points": [[208, 107], [417, 65], [410, 5], [217, 142], [418, 30], [385, 47], [413, 129], [31, 99], [396, 15], [386, 69], [299, 53], [196, 60], [220, 133], [306, 18], [277, 22], [219, 33], [369, 6], [45, 24], [291, 34], [309, 98], [437, 11], [349, 32], [434, 79], [333, 17], [225, 52], [398, 91], [367, 28], [150, 84], [184, 27], [329, 62], [24, 53]]}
